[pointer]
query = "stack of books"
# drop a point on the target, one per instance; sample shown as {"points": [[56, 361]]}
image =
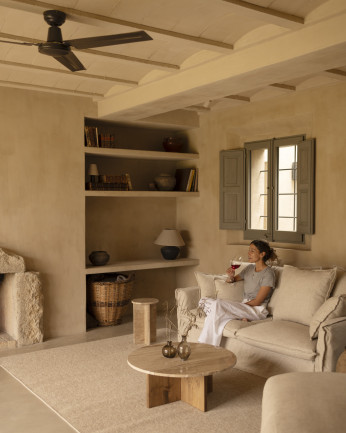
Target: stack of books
{"points": [[186, 179], [105, 182], [95, 139]]}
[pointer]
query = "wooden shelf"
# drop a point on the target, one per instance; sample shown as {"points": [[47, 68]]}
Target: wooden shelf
{"points": [[153, 194], [137, 265], [139, 154]]}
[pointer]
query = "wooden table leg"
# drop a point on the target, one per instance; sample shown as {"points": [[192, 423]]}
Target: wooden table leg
{"points": [[146, 324], [194, 391], [162, 390]]}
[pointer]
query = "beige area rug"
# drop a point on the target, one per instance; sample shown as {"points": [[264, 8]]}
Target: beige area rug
{"points": [[91, 386]]}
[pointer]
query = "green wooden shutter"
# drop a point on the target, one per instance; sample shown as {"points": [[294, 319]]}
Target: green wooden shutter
{"points": [[306, 190], [232, 201]]}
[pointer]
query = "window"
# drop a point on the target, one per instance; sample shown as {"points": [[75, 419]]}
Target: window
{"points": [[267, 189]]}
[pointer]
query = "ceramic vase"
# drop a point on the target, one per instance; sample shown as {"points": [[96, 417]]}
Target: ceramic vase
{"points": [[172, 144], [168, 350], [165, 182], [184, 349], [99, 258]]}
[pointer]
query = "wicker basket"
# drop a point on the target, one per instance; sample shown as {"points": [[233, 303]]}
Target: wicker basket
{"points": [[108, 299]]}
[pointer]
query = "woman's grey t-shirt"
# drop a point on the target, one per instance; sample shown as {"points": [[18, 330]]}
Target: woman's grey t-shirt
{"points": [[253, 281]]}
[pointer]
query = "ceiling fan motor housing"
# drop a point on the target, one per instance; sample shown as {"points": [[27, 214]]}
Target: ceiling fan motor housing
{"points": [[54, 45]]}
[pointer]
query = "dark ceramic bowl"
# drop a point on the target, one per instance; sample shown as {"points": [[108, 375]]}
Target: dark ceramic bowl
{"points": [[99, 258], [172, 145]]}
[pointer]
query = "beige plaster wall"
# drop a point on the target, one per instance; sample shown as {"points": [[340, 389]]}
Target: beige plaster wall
{"points": [[318, 113], [42, 201]]}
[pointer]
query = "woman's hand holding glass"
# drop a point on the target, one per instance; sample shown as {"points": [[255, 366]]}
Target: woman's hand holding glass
{"points": [[235, 264]]}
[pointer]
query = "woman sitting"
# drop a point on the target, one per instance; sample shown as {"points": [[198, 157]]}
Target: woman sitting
{"points": [[259, 282]]}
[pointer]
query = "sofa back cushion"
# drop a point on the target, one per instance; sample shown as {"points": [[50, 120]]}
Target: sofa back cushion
{"points": [[206, 283], [340, 284], [273, 300], [229, 292], [301, 292], [332, 308]]}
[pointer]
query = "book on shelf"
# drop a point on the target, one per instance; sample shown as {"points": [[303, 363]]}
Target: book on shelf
{"points": [[186, 179], [129, 183], [106, 178], [106, 140], [107, 182], [91, 136], [106, 186]]}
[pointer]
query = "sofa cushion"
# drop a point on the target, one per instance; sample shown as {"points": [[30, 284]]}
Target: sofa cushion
{"points": [[301, 293], [333, 307], [206, 282], [340, 284], [288, 338], [304, 402], [229, 291], [233, 326], [272, 302]]}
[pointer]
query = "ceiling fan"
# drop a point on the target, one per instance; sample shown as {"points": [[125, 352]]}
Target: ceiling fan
{"points": [[61, 50]]}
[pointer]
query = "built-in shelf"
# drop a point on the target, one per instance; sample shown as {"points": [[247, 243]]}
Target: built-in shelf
{"points": [[137, 265], [141, 194], [139, 154]]}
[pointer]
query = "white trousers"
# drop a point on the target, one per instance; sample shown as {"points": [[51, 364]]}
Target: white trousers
{"points": [[219, 312]]}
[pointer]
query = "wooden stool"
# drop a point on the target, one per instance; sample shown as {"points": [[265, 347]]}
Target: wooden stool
{"points": [[144, 320]]}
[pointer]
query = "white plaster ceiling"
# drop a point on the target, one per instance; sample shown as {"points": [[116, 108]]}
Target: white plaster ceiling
{"points": [[205, 54]]}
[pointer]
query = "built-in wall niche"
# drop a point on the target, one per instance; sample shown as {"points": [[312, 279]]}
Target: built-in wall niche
{"points": [[126, 222], [137, 137], [142, 172]]}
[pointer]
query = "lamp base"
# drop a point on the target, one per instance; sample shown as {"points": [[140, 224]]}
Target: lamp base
{"points": [[170, 253]]}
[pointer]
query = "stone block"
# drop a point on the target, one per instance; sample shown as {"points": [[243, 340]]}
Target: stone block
{"points": [[22, 307], [10, 263]]}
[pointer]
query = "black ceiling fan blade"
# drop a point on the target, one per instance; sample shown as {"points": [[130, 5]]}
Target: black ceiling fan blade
{"points": [[70, 61], [103, 41], [19, 43]]}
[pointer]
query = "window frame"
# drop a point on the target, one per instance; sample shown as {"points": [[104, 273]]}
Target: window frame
{"points": [[234, 181]]}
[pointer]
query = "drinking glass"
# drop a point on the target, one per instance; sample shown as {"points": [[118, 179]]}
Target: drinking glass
{"points": [[236, 262]]}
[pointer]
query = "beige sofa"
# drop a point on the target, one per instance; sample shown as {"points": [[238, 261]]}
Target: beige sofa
{"points": [[306, 329], [304, 402]]}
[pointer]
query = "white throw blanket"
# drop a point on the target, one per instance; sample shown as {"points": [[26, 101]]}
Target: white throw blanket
{"points": [[219, 312]]}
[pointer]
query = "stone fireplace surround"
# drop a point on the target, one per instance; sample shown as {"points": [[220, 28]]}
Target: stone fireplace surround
{"points": [[21, 303]]}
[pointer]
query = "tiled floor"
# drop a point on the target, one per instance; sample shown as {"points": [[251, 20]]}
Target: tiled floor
{"points": [[20, 410]]}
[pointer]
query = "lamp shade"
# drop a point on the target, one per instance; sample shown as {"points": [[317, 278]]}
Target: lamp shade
{"points": [[169, 237], [93, 171]]}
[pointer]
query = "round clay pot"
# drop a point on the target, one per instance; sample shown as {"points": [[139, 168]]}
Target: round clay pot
{"points": [[165, 182], [99, 258], [172, 144]]}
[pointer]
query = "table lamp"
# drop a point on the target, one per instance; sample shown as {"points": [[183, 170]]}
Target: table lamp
{"points": [[93, 173], [171, 241]]}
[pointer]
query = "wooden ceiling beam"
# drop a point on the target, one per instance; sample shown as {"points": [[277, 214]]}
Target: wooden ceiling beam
{"points": [[90, 17], [286, 87], [238, 98], [8, 83], [337, 74], [62, 71], [270, 16]]}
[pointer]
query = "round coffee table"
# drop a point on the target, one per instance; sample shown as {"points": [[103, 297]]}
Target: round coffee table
{"points": [[171, 379]]}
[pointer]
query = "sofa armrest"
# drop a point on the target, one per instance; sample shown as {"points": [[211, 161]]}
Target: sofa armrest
{"points": [[331, 343], [187, 298]]}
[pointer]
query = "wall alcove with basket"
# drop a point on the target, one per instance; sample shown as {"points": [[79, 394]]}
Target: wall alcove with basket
{"points": [[125, 211]]}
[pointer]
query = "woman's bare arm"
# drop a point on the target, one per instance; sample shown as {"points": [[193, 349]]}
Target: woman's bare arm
{"points": [[262, 294]]}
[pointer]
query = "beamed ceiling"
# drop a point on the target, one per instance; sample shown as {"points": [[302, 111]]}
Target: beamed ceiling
{"points": [[204, 54]]}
